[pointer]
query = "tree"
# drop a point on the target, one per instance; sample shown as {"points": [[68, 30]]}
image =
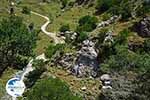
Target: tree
{"points": [[16, 42], [51, 89]]}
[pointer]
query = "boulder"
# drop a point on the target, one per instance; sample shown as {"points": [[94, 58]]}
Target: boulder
{"points": [[68, 35], [105, 77], [84, 88]]}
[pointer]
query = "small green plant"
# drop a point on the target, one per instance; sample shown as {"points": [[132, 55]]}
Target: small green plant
{"points": [[26, 10], [106, 16], [82, 36]]}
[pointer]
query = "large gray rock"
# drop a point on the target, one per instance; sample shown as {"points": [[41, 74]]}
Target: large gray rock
{"points": [[86, 63], [143, 27]]}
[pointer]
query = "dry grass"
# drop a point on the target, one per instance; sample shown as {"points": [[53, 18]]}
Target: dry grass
{"points": [[75, 83]]}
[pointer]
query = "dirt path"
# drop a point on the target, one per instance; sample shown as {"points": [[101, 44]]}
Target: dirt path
{"points": [[44, 27]]}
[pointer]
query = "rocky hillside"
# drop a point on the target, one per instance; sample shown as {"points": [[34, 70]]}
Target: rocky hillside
{"points": [[105, 53]]}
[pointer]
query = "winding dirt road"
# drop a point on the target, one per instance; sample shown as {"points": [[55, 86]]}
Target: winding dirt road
{"points": [[42, 56], [50, 34]]}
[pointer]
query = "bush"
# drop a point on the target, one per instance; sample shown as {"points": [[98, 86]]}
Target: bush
{"points": [[64, 3], [52, 49], [26, 10], [122, 37], [71, 4], [82, 36], [64, 28], [51, 89], [125, 59], [106, 16], [104, 5], [87, 24]]}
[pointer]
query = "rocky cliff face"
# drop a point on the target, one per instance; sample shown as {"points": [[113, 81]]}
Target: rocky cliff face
{"points": [[143, 27]]}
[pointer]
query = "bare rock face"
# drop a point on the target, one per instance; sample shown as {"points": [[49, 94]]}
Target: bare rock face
{"points": [[143, 27], [86, 63]]}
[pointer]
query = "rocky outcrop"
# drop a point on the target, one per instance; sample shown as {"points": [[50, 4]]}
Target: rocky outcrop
{"points": [[68, 35], [66, 61], [86, 63], [109, 21], [143, 27]]}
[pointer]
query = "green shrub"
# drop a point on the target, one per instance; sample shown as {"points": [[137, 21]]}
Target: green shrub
{"points": [[125, 60], [106, 16], [51, 89], [104, 5], [26, 10], [64, 3], [82, 36], [87, 23], [71, 4], [52, 49], [122, 37], [64, 28]]}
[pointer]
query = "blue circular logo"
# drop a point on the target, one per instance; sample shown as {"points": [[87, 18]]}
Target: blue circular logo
{"points": [[15, 87]]}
